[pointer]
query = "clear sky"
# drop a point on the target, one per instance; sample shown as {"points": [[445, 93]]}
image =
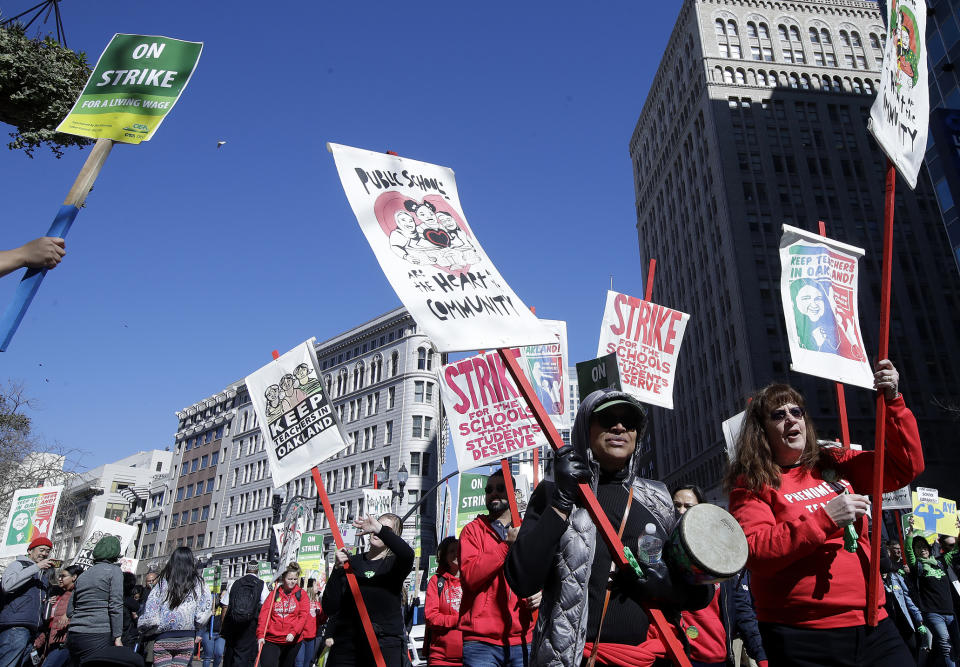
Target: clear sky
{"points": [[190, 264]]}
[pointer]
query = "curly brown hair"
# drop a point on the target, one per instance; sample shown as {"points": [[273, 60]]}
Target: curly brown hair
{"points": [[753, 466]]}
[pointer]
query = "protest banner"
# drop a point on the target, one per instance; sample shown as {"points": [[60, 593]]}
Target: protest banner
{"points": [[297, 419], [731, 433], [898, 500], [546, 367], [129, 565], [134, 85], [489, 419], [32, 513], [122, 101], [410, 213], [818, 290], [646, 338], [377, 502], [265, 572], [471, 499], [311, 558], [100, 528], [289, 535], [600, 373], [211, 578], [939, 516], [900, 113]]}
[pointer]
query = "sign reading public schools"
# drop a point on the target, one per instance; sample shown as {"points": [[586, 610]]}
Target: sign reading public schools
{"points": [[646, 339], [136, 82], [489, 418], [297, 419], [818, 290], [410, 213]]}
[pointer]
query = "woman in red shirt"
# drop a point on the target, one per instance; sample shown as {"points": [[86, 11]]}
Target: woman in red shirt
{"points": [[282, 618], [794, 499], [442, 607]]}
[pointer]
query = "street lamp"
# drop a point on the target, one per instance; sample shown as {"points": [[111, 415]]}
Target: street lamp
{"points": [[402, 477]]}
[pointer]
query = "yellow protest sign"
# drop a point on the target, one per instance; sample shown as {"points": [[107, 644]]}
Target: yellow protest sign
{"points": [[938, 515]]}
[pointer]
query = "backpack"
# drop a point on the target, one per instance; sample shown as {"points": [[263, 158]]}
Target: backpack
{"points": [[245, 600]]}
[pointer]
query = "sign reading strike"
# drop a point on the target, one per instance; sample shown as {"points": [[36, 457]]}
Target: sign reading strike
{"points": [[489, 418], [100, 527], [32, 513], [899, 116], [646, 339], [298, 422], [411, 215], [818, 288], [136, 82]]}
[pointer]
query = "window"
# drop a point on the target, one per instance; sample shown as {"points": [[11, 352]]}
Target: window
{"points": [[116, 511], [422, 426], [388, 435], [189, 541], [189, 493], [394, 362], [173, 520], [194, 464], [199, 490], [210, 485], [179, 494], [200, 541], [194, 515], [424, 359], [185, 468], [184, 518], [214, 458], [391, 397], [203, 461]]}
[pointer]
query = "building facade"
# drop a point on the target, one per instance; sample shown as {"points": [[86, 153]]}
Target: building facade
{"points": [[757, 117]]}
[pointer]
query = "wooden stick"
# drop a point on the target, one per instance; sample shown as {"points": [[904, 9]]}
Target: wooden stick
{"points": [[536, 466], [30, 283], [873, 589], [351, 577]]}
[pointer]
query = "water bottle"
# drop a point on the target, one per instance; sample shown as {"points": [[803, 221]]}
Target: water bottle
{"points": [[34, 657], [650, 544]]}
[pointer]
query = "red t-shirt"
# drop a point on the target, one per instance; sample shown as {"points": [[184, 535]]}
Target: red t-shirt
{"points": [[801, 574]]}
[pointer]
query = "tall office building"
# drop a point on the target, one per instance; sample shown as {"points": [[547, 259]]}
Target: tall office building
{"points": [[757, 117]]}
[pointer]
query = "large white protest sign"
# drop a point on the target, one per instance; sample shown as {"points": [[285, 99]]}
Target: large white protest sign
{"points": [[489, 418], [900, 114], [100, 527], [32, 513], [288, 536], [646, 339], [297, 419], [818, 288], [546, 368], [898, 500], [411, 215], [377, 501]]}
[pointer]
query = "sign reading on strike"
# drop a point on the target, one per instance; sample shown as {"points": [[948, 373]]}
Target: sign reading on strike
{"points": [[489, 418], [136, 82], [646, 338], [471, 499], [411, 215], [297, 419]]}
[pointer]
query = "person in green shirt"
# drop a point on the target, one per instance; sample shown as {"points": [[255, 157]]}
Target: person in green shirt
{"points": [[935, 602]]}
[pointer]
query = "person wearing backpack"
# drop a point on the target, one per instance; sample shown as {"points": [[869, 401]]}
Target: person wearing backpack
{"points": [[282, 619], [444, 643], [241, 607]]}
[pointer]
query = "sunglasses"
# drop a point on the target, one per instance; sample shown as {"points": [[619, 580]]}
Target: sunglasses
{"points": [[499, 487], [628, 420], [781, 414]]}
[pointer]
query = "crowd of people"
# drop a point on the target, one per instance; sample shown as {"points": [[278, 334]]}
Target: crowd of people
{"points": [[549, 592]]}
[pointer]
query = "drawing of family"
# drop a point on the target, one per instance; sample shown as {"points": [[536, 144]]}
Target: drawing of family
{"points": [[292, 388], [426, 236]]}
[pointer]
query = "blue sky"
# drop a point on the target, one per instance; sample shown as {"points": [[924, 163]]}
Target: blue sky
{"points": [[190, 264]]}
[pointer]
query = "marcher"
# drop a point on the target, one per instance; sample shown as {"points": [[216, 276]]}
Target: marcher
{"points": [[442, 607], [131, 610], [380, 571], [96, 606], [56, 653], [145, 648], [793, 500], [24, 590], [211, 641], [496, 624], [242, 603], [558, 548], [177, 608], [934, 597], [282, 617], [308, 644], [729, 615], [899, 603]]}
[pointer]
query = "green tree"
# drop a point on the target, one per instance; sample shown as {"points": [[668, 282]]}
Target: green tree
{"points": [[39, 81]]}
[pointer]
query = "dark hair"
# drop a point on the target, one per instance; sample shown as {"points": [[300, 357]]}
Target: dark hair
{"points": [[753, 466], [499, 473], [442, 549], [129, 581], [412, 206], [698, 494], [74, 570], [181, 576]]}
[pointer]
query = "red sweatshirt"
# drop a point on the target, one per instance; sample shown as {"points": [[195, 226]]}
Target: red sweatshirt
{"points": [[801, 575], [287, 615], [490, 612], [313, 620], [442, 610], [708, 639]]}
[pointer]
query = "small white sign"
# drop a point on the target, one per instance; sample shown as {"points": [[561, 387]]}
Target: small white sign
{"points": [[927, 495]]}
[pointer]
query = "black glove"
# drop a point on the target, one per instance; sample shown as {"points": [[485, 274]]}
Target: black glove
{"points": [[657, 589], [569, 471]]}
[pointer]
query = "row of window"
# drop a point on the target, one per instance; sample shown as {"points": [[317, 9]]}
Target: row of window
{"points": [[190, 516], [772, 79], [207, 414], [361, 377], [203, 438], [372, 345], [200, 463], [191, 490]]}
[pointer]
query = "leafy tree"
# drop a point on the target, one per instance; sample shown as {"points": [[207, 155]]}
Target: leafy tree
{"points": [[39, 82]]}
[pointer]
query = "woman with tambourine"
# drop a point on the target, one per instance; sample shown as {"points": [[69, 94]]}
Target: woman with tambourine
{"points": [[798, 504]]}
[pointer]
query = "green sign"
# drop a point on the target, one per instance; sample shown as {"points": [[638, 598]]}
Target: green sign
{"points": [[431, 567], [471, 500], [136, 82], [211, 578], [599, 373], [311, 556], [264, 571]]}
